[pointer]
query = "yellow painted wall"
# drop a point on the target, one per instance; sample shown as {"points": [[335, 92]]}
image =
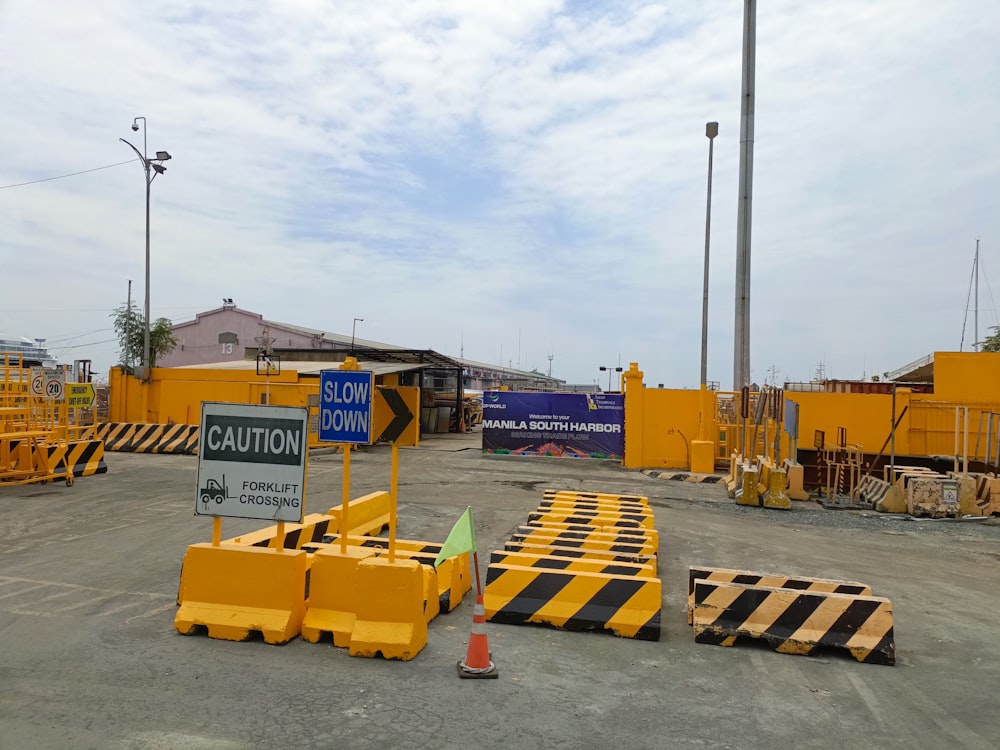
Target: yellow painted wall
{"points": [[659, 424], [867, 417], [176, 395], [967, 377]]}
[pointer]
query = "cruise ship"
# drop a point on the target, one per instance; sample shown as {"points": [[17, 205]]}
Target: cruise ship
{"points": [[32, 352]]}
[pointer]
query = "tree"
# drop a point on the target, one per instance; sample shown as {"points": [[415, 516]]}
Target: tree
{"points": [[130, 326], [992, 342]]}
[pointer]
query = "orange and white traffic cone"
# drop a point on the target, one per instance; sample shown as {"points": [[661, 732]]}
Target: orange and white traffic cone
{"points": [[477, 663]]}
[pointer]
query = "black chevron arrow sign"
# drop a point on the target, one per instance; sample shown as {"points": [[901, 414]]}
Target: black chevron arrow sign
{"points": [[400, 416]]}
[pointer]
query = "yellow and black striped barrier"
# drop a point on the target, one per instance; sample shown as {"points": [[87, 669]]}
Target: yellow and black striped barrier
{"points": [[81, 458], [630, 529], [588, 506], [604, 496], [596, 541], [133, 437], [728, 575], [580, 553], [583, 561], [794, 621], [592, 518], [628, 606]]}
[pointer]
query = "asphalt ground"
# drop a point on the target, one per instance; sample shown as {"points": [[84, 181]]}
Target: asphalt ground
{"points": [[89, 657]]}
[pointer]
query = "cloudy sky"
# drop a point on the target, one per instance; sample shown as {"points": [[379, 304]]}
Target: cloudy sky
{"points": [[511, 181]]}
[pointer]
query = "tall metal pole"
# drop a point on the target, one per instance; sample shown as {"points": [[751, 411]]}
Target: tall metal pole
{"points": [[711, 130], [148, 166], [128, 328], [145, 332], [975, 317], [741, 343]]}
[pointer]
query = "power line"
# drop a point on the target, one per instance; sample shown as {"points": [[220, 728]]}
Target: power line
{"points": [[63, 176]]}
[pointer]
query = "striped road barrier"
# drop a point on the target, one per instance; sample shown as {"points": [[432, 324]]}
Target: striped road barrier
{"points": [[794, 621], [727, 575], [133, 437], [628, 606]]}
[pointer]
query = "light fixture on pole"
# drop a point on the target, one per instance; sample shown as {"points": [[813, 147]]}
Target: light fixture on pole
{"points": [[151, 168], [711, 130], [610, 370], [354, 327]]}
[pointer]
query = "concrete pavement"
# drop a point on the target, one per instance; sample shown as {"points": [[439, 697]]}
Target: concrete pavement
{"points": [[90, 658]]}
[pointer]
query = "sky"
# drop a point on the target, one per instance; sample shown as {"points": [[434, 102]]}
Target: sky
{"points": [[520, 183]]}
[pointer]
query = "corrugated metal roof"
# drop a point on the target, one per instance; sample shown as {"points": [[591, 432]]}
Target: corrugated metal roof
{"points": [[304, 367], [920, 371]]}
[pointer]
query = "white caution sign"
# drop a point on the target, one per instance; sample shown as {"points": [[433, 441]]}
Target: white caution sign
{"points": [[251, 461]]}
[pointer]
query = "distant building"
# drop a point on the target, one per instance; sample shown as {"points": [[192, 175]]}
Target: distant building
{"points": [[230, 334], [31, 352]]}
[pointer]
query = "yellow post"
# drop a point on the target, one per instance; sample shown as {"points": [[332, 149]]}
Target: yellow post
{"points": [[216, 531], [279, 537], [346, 499], [633, 416], [393, 490], [702, 450]]}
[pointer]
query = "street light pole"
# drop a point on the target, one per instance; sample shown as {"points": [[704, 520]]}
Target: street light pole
{"points": [[711, 130], [610, 370], [156, 167], [354, 327]]}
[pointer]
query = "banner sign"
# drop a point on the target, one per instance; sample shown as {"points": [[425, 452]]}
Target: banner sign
{"points": [[569, 425]]}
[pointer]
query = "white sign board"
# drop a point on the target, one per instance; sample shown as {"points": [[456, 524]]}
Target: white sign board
{"points": [[252, 461]]}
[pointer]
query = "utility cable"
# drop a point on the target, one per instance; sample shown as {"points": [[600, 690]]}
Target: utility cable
{"points": [[63, 176]]}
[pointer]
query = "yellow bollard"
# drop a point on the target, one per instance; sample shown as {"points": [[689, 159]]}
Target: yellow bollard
{"points": [[776, 496]]}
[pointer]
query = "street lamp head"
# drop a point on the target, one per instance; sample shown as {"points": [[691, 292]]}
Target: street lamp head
{"points": [[711, 129], [163, 156], [158, 168], [135, 127]]}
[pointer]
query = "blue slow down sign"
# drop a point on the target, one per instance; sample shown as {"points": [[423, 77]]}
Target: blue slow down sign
{"points": [[345, 406]]}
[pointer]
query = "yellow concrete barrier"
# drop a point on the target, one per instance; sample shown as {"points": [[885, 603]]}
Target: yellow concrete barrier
{"points": [[746, 494], [578, 553], [134, 437], [729, 575], [792, 621], [333, 594], [628, 606], [796, 480], [587, 564], [649, 543], [593, 506], [777, 496], [453, 576], [579, 495], [390, 616], [592, 518], [367, 514], [232, 589]]}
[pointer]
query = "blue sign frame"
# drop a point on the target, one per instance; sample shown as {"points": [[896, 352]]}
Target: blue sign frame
{"points": [[345, 406]]}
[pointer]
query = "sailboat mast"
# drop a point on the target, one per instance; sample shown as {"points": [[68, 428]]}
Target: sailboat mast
{"points": [[975, 317]]}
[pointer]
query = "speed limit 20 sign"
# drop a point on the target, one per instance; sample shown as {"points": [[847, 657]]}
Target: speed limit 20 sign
{"points": [[48, 382]]}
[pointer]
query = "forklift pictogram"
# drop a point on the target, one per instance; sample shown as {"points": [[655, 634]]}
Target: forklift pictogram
{"points": [[214, 491]]}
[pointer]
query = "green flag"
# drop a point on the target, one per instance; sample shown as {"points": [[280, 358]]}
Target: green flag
{"points": [[462, 538]]}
